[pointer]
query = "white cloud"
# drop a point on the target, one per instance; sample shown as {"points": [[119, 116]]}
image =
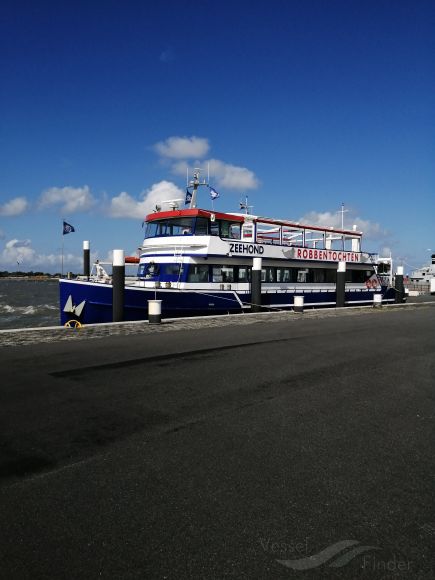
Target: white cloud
{"points": [[326, 219], [223, 174], [17, 251], [232, 176], [183, 147], [68, 199], [15, 206], [125, 206], [21, 252], [371, 230]]}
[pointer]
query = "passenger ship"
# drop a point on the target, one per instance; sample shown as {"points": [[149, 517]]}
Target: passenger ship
{"points": [[199, 262]]}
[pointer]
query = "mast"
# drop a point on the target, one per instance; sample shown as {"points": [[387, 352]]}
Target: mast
{"points": [[342, 211], [195, 183]]}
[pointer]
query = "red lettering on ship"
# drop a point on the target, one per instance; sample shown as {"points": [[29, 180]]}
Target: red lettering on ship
{"points": [[326, 255]]}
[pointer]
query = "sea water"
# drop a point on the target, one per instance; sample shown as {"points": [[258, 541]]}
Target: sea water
{"points": [[27, 303]]}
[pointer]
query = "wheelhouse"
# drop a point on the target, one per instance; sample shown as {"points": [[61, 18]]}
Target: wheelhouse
{"points": [[193, 222]]}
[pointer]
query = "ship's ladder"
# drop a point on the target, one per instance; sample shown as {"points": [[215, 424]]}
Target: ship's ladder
{"points": [[178, 259]]}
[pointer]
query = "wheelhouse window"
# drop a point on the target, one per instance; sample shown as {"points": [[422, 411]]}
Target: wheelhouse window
{"points": [[201, 226], [225, 229], [235, 231], [170, 227]]}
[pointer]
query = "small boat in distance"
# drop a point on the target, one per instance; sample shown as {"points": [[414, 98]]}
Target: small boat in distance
{"points": [[199, 262]]}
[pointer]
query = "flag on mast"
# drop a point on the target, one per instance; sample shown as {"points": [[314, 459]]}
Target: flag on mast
{"points": [[67, 228], [188, 197], [213, 193]]}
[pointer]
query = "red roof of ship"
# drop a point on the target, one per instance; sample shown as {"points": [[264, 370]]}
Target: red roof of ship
{"points": [[192, 213], [241, 218]]}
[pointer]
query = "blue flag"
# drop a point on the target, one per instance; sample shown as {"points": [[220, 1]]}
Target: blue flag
{"points": [[67, 228], [188, 198], [213, 193]]}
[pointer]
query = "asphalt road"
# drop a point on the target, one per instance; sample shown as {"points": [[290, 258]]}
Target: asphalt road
{"points": [[229, 452]]}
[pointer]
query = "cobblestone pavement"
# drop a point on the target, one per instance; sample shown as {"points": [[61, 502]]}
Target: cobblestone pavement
{"points": [[24, 336]]}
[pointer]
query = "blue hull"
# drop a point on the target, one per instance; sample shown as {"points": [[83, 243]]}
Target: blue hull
{"points": [[176, 303]]}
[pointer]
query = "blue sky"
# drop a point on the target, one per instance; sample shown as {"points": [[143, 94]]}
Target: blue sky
{"points": [[301, 105]]}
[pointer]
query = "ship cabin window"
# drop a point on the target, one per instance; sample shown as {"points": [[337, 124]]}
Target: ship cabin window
{"points": [[359, 275], [230, 229], [222, 274], [172, 269], [225, 229], [201, 226], [198, 273], [268, 275], [244, 274], [214, 228], [169, 227], [235, 231], [303, 276], [148, 271], [284, 275], [384, 268]]}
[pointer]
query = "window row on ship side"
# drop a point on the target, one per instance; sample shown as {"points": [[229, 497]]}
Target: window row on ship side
{"points": [[209, 273]]}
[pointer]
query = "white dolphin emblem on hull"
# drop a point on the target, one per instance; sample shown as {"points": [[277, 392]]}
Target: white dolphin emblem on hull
{"points": [[70, 307]]}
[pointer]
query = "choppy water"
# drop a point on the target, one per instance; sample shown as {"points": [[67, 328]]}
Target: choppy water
{"points": [[28, 303]]}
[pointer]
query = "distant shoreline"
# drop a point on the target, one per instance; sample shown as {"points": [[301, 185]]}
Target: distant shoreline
{"points": [[26, 277]]}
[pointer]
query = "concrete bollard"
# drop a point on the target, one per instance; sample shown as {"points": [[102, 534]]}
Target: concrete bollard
{"points": [[256, 285], [341, 285], [398, 286], [86, 259], [298, 304], [118, 285], [377, 300], [154, 311]]}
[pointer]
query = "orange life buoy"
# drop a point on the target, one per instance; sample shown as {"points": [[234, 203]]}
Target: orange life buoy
{"points": [[73, 324]]}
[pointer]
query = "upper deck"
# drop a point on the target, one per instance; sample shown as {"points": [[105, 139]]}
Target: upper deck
{"points": [[251, 229]]}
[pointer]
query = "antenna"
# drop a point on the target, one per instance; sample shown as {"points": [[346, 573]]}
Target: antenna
{"points": [[342, 211], [244, 205]]}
